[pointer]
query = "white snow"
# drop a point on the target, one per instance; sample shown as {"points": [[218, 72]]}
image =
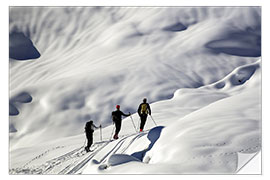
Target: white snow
{"points": [[199, 67]]}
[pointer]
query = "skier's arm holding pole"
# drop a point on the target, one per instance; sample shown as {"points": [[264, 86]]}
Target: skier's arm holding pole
{"points": [[139, 110], [96, 126], [126, 114], [149, 109]]}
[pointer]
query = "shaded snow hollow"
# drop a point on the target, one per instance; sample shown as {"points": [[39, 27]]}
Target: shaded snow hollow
{"points": [[196, 66]]}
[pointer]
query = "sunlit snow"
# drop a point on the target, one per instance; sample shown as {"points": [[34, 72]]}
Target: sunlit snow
{"points": [[199, 67]]}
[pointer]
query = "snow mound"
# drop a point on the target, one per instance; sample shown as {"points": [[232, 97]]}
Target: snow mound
{"points": [[18, 100], [239, 76]]}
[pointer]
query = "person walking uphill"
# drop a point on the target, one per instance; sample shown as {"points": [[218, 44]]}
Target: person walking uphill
{"points": [[117, 120], [143, 110], [89, 130]]}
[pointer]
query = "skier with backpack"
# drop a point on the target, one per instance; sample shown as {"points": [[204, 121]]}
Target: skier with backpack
{"points": [[117, 120], [89, 130], [143, 110]]}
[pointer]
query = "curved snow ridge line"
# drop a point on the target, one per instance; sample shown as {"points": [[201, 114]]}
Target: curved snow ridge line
{"points": [[71, 165], [238, 76], [86, 160], [119, 155], [105, 166], [132, 140], [118, 145], [81, 164], [120, 141]]}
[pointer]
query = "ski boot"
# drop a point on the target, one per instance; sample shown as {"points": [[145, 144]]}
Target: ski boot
{"points": [[87, 149], [115, 136]]}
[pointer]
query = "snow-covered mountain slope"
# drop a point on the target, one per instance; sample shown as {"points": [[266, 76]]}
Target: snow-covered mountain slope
{"points": [[206, 140], [206, 137], [196, 66]]}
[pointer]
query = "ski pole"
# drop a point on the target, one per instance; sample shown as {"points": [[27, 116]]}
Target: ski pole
{"points": [[84, 142], [100, 133], [133, 122], [112, 132], [138, 125], [153, 120]]}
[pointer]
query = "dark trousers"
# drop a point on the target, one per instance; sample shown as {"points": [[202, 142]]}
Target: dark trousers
{"points": [[89, 137], [117, 127], [143, 120]]}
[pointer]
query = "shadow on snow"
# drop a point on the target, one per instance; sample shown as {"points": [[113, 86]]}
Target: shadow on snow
{"points": [[153, 136]]}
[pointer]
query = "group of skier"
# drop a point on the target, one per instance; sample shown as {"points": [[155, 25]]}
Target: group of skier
{"points": [[143, 110]]}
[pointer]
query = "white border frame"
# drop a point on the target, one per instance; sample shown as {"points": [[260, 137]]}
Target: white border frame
{"points": [[4, 74]]}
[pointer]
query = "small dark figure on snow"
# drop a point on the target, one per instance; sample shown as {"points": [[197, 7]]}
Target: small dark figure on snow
{"points": [[89, 130], [117, 120], [143, 110]]}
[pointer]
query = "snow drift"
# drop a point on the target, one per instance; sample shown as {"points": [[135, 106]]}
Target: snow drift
{"points": [[208, 140]]}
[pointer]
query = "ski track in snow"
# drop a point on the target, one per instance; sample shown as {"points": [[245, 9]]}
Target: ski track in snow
{"points": [[73, 162]]}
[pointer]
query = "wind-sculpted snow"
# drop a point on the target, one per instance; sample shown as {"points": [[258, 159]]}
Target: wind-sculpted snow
{"points": [[204, 135], [207, 140], [79, 62], [16, 101], [211, 137], [245, 43]]}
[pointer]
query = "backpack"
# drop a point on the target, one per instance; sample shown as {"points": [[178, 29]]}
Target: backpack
{"points": [[88, 127], [144, 109]]}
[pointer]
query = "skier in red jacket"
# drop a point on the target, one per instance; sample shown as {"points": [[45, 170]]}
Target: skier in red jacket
{"points": [[117, 119]]}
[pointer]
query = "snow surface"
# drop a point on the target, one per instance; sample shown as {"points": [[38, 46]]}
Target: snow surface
{"points": [[199, 67]]}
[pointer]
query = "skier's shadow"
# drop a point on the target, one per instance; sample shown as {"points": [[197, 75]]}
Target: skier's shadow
{"points": [[153, 136]]}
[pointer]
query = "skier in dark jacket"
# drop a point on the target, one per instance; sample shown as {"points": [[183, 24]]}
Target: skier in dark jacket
{"points": [[89, 130], [143, 110], [117, 120]]}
